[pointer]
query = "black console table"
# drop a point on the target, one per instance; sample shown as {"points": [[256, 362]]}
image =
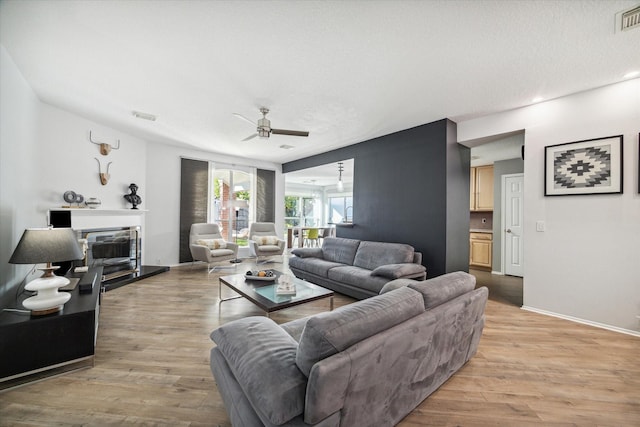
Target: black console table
{"points": [[35, 347]]}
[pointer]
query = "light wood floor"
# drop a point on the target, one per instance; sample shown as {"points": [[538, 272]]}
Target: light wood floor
{"points": [[152, 366]]}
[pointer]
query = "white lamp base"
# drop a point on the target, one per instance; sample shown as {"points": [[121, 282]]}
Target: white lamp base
{"points": [[48, 299]]}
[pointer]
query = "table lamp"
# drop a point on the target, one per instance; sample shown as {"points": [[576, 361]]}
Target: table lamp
{"points": [[46, 245]]}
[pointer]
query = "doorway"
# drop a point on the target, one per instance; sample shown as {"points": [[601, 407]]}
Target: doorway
{"points": [[230, 200], [504, 155]]}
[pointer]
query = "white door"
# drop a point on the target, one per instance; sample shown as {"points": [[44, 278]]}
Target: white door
{"points": [[512, 218]]}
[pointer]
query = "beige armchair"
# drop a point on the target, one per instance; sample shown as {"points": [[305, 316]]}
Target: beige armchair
{"points": [[264, 241], [207, 245]]}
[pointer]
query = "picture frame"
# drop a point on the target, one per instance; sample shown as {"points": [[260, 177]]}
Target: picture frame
{"points": [[591, 166]]}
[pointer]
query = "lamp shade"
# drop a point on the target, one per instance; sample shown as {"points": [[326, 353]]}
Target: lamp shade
{"points": [[39, 245]]}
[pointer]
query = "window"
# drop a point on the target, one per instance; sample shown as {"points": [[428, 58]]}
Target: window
{"points": [[301, 211], [291, 211], [341, 209]]}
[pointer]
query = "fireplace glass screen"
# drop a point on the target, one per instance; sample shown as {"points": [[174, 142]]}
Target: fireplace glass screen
{"points": [[117, 250]]}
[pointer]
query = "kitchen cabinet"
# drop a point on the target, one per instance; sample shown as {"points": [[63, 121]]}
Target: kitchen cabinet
{"points": [[480, 249], [481, 180]]}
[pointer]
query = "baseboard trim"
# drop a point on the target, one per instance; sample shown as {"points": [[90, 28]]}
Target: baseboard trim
{"points": [[583, 321]]}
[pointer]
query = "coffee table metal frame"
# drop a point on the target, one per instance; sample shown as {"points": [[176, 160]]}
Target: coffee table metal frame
{"points": [[246, 288]]}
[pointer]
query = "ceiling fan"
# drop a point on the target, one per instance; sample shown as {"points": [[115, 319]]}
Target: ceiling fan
{"points": [[264, 129]]}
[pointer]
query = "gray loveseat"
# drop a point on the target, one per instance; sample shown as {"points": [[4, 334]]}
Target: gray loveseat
{"points": [[369, 363], [357, 268]]}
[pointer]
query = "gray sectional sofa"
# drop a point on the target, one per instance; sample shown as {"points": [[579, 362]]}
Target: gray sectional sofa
{"points": [[369, 363], [356, 268]]}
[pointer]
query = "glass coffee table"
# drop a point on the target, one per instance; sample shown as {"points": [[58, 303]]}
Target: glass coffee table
{"points": [[263, 293]]}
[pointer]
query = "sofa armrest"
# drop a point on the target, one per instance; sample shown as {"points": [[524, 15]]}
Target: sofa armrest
{"points": [[199, 252], [396, 271], [232, 246], [262, 357], [253, 247], [308, 252]]}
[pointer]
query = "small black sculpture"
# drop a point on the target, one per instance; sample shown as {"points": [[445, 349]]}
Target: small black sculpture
{"points": [[132, 197]]}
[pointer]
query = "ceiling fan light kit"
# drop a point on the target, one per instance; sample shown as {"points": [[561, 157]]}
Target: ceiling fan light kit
{"points": [[264, 129]]}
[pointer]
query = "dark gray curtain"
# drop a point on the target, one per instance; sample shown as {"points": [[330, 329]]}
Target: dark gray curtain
{"points": [[194, 196], [266, 196]]}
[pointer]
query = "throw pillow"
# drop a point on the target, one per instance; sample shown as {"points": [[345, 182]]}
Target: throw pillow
{"points": [[265, 240], [307, 252], [262, 357], [212, 243]]}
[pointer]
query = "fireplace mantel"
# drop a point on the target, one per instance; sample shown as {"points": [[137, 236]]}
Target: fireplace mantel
{"points": [[82, 219]]}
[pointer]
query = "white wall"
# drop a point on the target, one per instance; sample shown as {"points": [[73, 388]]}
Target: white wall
{"points": [[585, 266], [19, 112], [67, 161]]}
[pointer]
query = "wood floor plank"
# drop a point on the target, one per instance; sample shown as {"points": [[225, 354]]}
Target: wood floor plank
{"points": [[152, 365]]}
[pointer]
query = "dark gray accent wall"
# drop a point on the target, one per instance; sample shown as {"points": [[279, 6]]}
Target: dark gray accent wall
{"points": [[457, 220], [266, 196], [194, 190], [410, 187]]}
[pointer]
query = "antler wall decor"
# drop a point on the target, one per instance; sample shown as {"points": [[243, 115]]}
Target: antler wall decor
{"points": [[104, 177], [104, 147]]}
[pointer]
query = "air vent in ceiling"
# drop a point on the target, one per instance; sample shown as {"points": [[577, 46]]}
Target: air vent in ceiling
{"points": [[631, 19]]}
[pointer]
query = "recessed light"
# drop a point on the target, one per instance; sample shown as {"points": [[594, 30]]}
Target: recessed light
{"points": [[632, 74], [287, 147], [144, 116], [537, 99]]}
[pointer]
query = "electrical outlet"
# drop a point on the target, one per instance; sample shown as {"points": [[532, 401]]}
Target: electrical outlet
{"points": [[540, 226]]}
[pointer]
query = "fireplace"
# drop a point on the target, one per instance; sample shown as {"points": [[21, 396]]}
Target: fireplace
{"points": [[112, 237], [116, 250], [113, 240]]}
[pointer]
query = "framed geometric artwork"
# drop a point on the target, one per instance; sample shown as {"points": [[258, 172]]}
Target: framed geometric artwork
{"points": [[593, 166]]}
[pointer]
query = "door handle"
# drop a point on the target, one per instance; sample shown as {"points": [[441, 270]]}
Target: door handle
{"points": [[508, 230]]}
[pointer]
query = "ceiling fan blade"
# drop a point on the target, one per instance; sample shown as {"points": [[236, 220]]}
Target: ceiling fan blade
{"points": [[289, 132], [240, 116], [250, 137]]}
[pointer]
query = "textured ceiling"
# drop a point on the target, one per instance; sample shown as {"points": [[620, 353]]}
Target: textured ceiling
{"points": [[345, 71]]}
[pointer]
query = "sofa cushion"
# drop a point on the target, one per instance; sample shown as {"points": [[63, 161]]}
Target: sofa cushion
{"points": [[269, 248], [221, 252], [329, 333], [444, 288], [374, 254], [317, 266], [338, 249], [262, 357], [396, 271], [358, 277]]}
